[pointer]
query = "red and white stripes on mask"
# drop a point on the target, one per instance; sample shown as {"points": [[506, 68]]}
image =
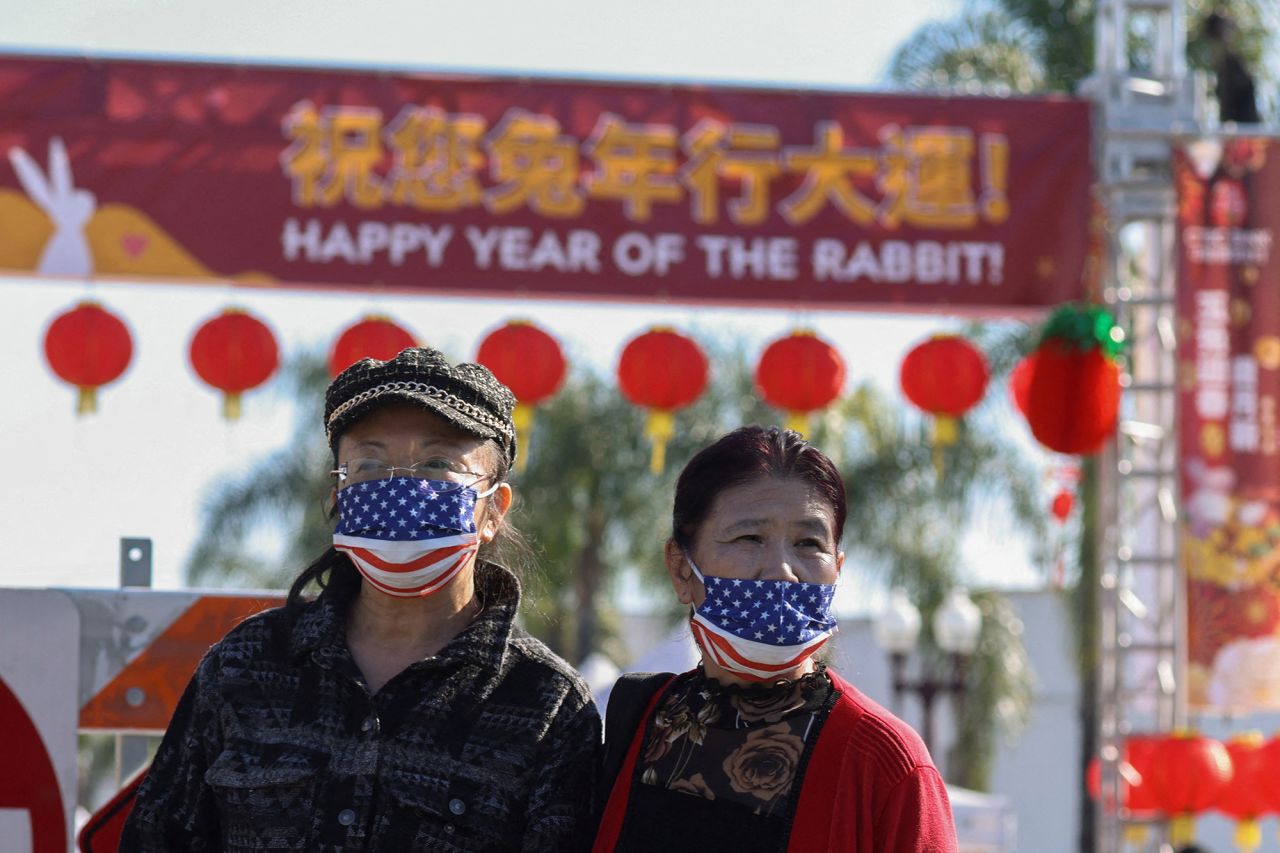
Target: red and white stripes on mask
{"points": [[408, 537], [760, 629]]}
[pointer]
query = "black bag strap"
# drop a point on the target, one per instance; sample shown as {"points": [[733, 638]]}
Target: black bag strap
{"points": [[630, 696]]}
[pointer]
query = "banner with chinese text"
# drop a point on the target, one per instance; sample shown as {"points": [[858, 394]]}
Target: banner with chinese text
{"points": [[489, 186], [1229, 378]]}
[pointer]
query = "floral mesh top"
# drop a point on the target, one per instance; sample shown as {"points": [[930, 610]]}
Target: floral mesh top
{"points": [[722, 764]]}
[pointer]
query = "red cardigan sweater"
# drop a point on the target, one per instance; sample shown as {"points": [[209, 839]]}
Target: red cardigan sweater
{"points": [[870, 786]]}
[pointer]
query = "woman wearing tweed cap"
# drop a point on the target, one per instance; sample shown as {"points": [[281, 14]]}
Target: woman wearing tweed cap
{"points": [[401, 709]]}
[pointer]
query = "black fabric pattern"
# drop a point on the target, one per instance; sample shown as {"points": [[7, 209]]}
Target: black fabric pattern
{"points": [[724, 762], [466, 395], [491, 745]]}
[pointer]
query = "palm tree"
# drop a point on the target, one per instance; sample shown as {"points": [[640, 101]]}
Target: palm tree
{"points": [[1029, 46]]}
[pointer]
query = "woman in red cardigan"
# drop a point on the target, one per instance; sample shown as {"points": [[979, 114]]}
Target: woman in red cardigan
{"points": [[763, 748]]}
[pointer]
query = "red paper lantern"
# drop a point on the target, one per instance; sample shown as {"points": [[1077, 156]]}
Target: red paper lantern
{"points": [[1135, 792], [945, 376], [1138, 752], [1063, 501], [234, 352], [1270, 757], [1188, 772], [1074, 398], [1245, 798], [374, 336], [529, 362], [1020, 382], [88, 347], [663, 371], [800, 374], [1074, 395]]}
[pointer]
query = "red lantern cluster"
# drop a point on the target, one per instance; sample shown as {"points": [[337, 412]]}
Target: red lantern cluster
{"points": [[88, 347], [529, 362], [234, 352], [800, 374], [1181, 774], [663, 371]]}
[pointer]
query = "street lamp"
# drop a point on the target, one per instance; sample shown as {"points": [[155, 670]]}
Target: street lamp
{"points": [[956, 625]]}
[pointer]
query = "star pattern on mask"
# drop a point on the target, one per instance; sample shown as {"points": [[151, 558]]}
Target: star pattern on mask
{"points": [[400, 509], [777, 612]]}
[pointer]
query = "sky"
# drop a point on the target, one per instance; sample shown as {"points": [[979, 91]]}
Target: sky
{"points": [[142, 466]]}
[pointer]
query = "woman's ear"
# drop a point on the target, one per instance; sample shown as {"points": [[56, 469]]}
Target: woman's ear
{"points": [[839, 562], [678, 571], [497, 508]]}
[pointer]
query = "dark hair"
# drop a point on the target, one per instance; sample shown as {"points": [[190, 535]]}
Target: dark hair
{"points": [[746, 454], [334, 572]]}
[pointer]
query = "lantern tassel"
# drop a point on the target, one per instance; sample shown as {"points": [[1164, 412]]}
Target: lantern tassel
{"points": [[659, 428], [522, 417], [1248, 835], [87, 400], [1182, 830], [231, 406], [945, 433], [1135, 836], [798, 422]]}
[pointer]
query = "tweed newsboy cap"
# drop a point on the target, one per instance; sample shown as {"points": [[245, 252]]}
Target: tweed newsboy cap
{"points": [[466, 395]]}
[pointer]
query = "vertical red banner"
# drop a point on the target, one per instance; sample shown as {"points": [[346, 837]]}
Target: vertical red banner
{"points": [[1229, 385]]}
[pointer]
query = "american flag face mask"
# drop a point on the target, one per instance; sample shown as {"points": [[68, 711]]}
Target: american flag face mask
{"points": [[408, 537], [760, 629]]}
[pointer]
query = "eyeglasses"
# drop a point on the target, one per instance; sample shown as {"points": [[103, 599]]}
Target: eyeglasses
{"points": [[438, 468]]}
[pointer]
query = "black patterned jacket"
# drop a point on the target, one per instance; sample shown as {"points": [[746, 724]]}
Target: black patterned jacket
{"points": [[277, 745]]}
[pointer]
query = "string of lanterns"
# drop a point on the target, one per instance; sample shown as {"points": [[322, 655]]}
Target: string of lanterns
{"points": [[1068, 389], [1176, 776]]}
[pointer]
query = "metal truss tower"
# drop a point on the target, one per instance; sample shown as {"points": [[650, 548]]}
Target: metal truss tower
{"points": [[1144, 97]]}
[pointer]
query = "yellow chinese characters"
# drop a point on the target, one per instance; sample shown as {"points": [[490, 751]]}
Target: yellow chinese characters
{"points": [[432, 160], [333, 155], [746, 154], [635, 164], [534, 165], [436, 159]]}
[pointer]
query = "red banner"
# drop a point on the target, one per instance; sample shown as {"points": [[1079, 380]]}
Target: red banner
{"points": [[1229, 368], [584, 190]]}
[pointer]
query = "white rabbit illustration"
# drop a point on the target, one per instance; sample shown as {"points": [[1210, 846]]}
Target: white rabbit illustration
{"points": [[67, 252]]}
